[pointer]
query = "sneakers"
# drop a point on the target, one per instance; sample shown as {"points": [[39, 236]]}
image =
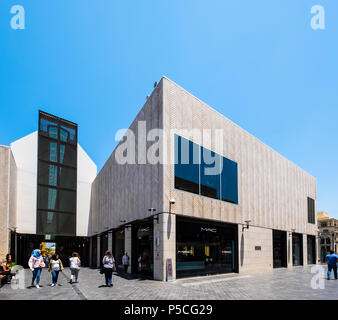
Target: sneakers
{"points": [[52, 285], [37, 286]]}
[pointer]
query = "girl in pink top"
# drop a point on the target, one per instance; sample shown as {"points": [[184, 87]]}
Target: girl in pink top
{"points": [[35, 264]]}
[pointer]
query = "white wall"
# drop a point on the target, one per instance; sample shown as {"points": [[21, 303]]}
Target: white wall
{"points": [[86, 173], [25, 153]]}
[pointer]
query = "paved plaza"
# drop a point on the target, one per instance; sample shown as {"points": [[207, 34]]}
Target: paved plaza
{"points": [[291, 284]]}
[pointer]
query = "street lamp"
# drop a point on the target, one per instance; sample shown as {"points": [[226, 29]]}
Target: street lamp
{"points": [[246, 226]]}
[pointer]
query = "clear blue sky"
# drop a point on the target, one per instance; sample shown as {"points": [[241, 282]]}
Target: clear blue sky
{"points": [[257, 62]]}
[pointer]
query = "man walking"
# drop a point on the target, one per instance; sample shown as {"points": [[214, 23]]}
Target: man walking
{"points": [[331, 264], [125, 262]]}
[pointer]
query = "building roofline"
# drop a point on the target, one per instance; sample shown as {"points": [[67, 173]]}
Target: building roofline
{"points": [[239, 127]]}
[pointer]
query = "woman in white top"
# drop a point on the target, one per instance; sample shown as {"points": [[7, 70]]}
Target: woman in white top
{"points": [[108, 262], [75, 263]]}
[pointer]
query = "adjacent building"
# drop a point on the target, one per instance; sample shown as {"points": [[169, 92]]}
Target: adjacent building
{"points": [[328, 234], [45, 185]]}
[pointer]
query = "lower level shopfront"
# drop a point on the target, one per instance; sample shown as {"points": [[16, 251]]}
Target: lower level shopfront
{"points": [[200, 247]]}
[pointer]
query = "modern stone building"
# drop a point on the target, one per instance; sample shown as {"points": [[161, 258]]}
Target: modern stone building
{"points": [[176, 219], [45, 192]]}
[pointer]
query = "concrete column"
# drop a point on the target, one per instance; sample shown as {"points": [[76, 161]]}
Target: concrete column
{"points": [[164, 245], [304, 250], [110, 241], [289, 250], [127, 245], [98, 255]]}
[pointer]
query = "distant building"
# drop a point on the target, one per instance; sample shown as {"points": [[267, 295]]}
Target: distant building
{"points": [[328, 229]]}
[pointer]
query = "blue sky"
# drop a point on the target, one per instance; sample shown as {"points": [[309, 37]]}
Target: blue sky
{"points": [[257, 62]]}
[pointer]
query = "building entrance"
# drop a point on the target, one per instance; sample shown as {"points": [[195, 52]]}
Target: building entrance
{"points": [[142, 244], [204, 248], [297, 249], [279, 249]]}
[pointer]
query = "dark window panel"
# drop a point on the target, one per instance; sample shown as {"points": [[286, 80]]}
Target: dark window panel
{"points": [[49, 127], [68, 155], [66, 223], [229, 181], [47, 150], [68, 134], [47, 198], [210, 174], [67, 201], [47, 174], [311, 210], [67, 178], [186, 165], [47, 222]]}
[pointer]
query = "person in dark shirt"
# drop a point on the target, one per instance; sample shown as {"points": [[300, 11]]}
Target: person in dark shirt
{"points": [[331, 264]]}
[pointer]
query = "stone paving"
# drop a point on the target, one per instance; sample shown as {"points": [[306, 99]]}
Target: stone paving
{"points": [[290, 284]]}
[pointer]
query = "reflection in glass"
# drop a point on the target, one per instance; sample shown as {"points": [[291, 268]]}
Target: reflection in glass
{"points": [[210, 177], [47, 174], [49, 128], [67, 178], [67, 134], [47, 198], [67, 201], [68, 155], [229, 180], [47, 150], [186, 165]]}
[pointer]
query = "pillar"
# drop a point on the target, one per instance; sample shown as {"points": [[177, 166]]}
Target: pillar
{"points": [[164, 245], [110, 241]]}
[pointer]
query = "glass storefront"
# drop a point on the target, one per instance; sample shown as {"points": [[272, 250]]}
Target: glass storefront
{"points": [[279, 249], [203, 248], [311, 249], [118, 248], [297, 249], [142, 257]]}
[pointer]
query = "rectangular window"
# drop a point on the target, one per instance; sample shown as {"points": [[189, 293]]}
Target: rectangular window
{"points": [[202, 171], [57, 176], [47, 198], [48, 174], [48, 150], [67, 201], [68, 155], [210, 174], [67, 178], [229, 181], [186, 165], [311, 210]]}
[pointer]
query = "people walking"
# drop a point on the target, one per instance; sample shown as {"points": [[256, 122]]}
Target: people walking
{"points": [[75, 263], [125, 262], [108, 262], [332, 259], [36, 264], [55, 266]]}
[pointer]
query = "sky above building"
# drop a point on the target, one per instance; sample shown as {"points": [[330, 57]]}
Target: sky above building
{"points": [[259, 63]]}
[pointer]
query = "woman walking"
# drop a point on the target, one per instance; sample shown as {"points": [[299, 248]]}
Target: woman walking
{"points": [[36, 264], [55, 266], [75, 263], [108, 262]]}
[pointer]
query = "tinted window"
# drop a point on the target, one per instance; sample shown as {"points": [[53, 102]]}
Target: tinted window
{"points": [[186, 165], [68, 134], [47, 222], [47, 150], [49, 127], [47, 174], [210, 176], [67, 223], [311, 210], [47, 198], [68, 155], [67, 201], [229, 181], [67, 178]]}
